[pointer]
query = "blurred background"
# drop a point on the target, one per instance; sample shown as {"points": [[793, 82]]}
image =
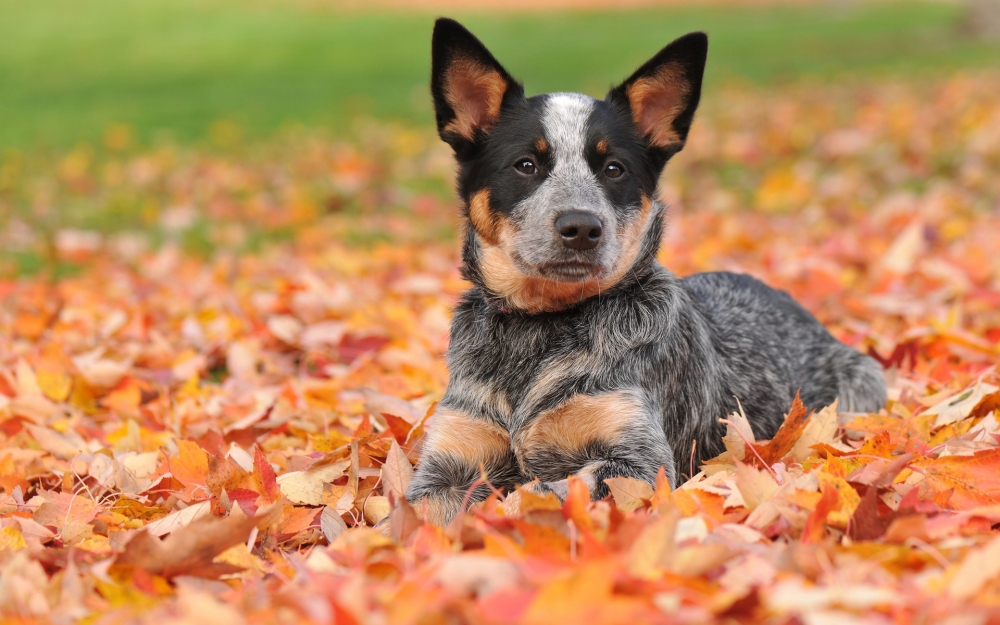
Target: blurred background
{"points": [[152, 121]]}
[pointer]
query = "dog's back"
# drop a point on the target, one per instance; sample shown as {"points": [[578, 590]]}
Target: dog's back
{"points": [[773, 348]]}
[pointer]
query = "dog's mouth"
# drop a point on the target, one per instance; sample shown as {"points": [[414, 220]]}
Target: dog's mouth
{"points": [[570, 271]]}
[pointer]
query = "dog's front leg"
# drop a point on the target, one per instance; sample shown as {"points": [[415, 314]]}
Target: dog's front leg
{"points": [[459, 446], [596, 437]]}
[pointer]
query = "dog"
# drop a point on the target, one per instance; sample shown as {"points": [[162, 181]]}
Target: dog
{"points": [[575, 351]]}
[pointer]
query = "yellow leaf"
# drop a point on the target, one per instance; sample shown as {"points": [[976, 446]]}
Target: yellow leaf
{"points": [[306, 487], [56, 385], [11, 539]]}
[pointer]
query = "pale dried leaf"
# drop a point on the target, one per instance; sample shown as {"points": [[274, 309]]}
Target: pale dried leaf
{"points": [[755, 485], [735, 438], [331, 524], [378, 404], [306, 487], [55, 443], [177, 520], [822, 427], [958, 406], [628, 492], [397, 472]]}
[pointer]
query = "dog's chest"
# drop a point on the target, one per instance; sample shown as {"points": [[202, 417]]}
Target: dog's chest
{"points": [[545, 382], [506, 366]]}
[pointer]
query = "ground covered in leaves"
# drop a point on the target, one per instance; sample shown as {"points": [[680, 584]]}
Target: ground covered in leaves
{"points": [[215, 381]]}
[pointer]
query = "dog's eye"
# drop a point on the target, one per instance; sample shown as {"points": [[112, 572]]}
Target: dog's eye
{"points": [[614, 170], [526, 167]]}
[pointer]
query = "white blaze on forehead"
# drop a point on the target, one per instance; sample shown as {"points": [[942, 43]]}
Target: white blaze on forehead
{"points": [[570, 186], [565, 123]]}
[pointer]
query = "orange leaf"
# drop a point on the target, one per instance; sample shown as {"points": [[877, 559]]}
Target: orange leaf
{"points": [[190, 467], [878, 445], [815, 528], [787, 435], [577, 500], [399, 427], [974, 480]]}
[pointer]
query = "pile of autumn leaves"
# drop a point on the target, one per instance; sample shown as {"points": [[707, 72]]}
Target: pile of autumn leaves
{"points": [[214, 440]]}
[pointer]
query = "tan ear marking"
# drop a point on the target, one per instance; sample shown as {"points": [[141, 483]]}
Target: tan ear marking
{"points": [[656, 101], [475, 93]]}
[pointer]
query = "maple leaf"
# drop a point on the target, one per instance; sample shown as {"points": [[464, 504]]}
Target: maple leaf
{"points": [[786, 437], [972, 480]]}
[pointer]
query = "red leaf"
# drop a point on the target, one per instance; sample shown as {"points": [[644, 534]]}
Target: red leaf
{"points": [[399, 427], [263, 468], [815, 528]]}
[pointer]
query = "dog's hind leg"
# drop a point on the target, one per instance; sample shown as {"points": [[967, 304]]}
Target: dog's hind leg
{"points": [[846, 374], [862, 388]]}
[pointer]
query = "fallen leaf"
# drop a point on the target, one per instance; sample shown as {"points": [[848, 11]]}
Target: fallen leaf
{"points": [[629, 493], [397, 472], [306, 487], [189, 550]]}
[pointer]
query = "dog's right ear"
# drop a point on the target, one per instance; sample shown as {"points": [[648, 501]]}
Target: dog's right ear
{"points": [[468, 84], [663, 94]]}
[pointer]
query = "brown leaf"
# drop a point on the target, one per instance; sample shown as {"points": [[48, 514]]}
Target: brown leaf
{"points": [[190, 550]]}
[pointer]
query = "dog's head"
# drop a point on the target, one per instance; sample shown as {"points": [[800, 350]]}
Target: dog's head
{"points": [[559, 188]]}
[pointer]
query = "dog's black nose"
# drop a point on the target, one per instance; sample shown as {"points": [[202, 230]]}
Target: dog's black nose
{"points": [[579, 231]]}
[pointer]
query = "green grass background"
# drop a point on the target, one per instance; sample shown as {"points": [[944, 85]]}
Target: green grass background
{"points": [[173, 67]]}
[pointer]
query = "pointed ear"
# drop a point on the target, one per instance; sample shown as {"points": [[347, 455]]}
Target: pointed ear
{"points": [[468, 84], [663, 94]]}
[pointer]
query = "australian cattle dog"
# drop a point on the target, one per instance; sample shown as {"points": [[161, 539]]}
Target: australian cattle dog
{"points": [[575, 351]]}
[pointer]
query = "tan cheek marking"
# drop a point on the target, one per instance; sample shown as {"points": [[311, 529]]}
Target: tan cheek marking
{"points": [[602, 146], [635, 233], [582, 421], [656, 101], [542, 145], [475, 93], [486, 222], [470, 439]]}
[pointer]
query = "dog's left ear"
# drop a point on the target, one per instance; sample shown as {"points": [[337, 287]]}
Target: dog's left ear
{"points": [[663, 94], [467, 83]]}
